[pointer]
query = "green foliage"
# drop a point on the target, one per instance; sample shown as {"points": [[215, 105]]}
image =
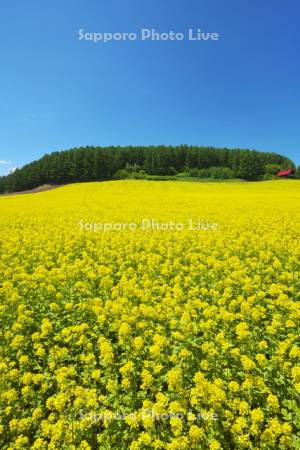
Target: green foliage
{"points": [[267, 177], [140, 175], [251, 166], [220, 173], [194, 172], [121, 174], [272, 169], [172, 171], [106, 163]]}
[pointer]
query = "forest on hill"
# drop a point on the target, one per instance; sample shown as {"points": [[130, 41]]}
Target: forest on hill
{"points": [[106, 163]]}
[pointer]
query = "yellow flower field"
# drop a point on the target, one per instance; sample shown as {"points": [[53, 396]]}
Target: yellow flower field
{"points": [[146, 338]]}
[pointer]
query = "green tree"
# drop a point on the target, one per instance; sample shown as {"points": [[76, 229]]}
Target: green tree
{"points": [[101, 163], [250, 166], [272, 169]]}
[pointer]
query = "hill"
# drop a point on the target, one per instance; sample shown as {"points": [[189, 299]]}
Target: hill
{"points": [[106, 163]]}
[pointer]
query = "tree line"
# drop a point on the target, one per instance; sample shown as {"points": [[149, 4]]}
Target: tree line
{"points": [[103, 163]]}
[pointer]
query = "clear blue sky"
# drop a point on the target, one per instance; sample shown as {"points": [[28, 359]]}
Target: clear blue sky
{"points": [[58, 92]]}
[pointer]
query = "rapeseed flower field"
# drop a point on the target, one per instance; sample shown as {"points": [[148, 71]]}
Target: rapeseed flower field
{"points": [[152, 338]]}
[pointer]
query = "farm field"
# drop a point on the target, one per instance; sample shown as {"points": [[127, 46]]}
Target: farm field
{"points": [[151, 315]]}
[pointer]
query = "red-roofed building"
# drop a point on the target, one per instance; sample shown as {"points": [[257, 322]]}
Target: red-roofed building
{"points": [[287, 173]]}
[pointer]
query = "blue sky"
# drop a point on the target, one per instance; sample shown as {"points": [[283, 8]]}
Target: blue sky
{"points": [[58, 92]]}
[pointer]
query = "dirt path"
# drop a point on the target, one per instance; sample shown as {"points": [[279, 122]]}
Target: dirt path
{"points": [[45, 187]]}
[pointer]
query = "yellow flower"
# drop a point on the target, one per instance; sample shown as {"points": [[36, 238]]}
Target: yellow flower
{"points": [[138, 343], [215, 445], [37, 413], [233, 386], [174, 377], [243, 407], [242, 330], [247, 362], [272, 401], [21, 442], [96, 374], [176, 425], [147, 379], [260, 358], [46, 327], [257, 415], [196, 433]]}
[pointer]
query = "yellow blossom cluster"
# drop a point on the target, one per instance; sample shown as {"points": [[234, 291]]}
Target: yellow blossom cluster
{"points": [[176, 339]]}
